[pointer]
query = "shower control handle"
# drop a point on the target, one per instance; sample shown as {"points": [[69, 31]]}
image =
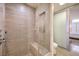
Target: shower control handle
{"points": [[5, 32], [0, 43]]}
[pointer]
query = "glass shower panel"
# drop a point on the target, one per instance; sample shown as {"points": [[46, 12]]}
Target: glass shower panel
{"points": [[60, 29]]}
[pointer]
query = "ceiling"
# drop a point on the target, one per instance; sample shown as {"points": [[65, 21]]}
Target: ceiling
{"points": [[34, 5], [57, 7]]}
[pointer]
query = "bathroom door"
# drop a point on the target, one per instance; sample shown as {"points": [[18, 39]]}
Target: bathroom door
{"points": [[19, 28], [60, 29]]}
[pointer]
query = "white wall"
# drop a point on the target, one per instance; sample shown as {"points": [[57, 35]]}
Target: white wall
{"points": [[74, 15]]}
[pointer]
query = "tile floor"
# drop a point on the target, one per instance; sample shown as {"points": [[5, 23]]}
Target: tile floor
{"points": [[74, 49]]}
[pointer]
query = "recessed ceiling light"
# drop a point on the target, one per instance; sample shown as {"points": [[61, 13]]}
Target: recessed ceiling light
{"points": [[22, 9], [61, 3]]}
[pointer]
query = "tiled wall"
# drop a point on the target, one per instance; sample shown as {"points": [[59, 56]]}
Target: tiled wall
{"points": [[27, 29], [42, 25], [42, 33], [1, 27], [19, 27]]}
